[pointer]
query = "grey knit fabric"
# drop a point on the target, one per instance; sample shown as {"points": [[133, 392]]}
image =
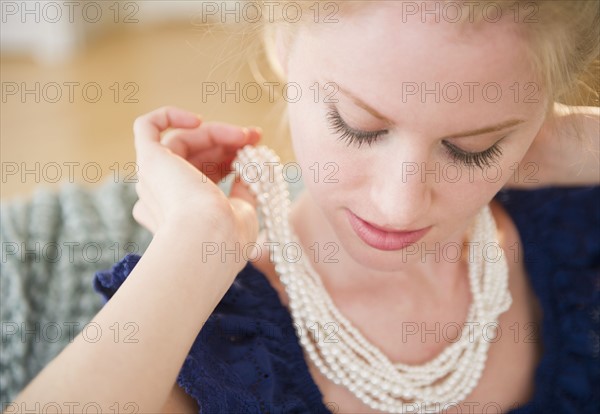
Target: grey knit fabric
{"points": [[52, 244]]}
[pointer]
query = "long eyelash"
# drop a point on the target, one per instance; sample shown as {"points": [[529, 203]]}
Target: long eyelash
{"points": [[348, 134], [357, 137], [479, 159]]}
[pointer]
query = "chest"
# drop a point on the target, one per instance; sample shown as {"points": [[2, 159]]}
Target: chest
{"points": [[508, 377], [507, 380]]}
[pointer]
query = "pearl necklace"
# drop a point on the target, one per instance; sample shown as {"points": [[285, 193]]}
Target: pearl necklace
{"points": [[349, 359]]}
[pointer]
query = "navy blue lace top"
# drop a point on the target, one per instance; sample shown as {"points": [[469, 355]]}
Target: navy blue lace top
{"points": [[247, 358]]}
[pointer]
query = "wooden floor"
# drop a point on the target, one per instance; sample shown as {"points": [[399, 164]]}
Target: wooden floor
{"points": [[48, 135]]}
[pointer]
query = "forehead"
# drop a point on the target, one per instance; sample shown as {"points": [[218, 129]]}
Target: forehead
{"points": [[383, 59], [386, 34]]}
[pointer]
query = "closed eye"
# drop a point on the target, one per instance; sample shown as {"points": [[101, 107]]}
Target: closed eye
{"points": [[349, 134], [358, 137], [478, 159]]}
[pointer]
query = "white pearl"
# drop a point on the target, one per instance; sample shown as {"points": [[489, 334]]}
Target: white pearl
{"points": [[362, 367]]}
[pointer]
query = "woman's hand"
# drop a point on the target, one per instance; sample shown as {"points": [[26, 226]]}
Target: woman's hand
{"points": [[177, 176], [171, 292], [565, 151]]}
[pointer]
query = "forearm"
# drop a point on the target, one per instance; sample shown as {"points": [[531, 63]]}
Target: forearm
{"points": [[566, 151], [167, 297]]}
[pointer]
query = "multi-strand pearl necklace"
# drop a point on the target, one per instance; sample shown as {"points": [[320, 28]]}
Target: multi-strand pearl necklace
{"points": [[349, 359]]}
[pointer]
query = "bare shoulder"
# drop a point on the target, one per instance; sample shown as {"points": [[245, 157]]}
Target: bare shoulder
{"points": [[565, 152], [180, 402]]}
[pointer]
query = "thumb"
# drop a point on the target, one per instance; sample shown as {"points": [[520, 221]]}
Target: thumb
{"points": [[244, 204], [240, 189]]}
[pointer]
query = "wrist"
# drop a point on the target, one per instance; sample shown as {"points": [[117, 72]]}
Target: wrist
{"points": [[206, 247]]}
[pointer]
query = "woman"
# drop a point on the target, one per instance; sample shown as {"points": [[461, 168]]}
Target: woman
{"points": [[432, 117]]}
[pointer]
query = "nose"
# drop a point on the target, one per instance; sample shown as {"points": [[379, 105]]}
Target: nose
{"points": [[401, 197]]}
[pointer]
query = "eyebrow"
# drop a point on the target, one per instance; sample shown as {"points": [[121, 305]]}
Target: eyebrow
{"points": [[363, 105], [494, 128]]}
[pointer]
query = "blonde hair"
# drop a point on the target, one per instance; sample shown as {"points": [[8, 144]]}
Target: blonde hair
{"points": [[563, 41]]}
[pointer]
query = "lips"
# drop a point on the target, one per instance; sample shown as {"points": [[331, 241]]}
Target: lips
{"points": [[381, 238]]}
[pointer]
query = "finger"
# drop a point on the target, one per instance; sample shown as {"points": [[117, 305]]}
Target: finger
{"points": [[207, 136], [216, 161], [254, 135], [209, 158], [147, 128], [246, 215], [240, 190], [220, 164]]}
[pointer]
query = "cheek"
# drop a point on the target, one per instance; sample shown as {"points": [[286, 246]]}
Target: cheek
{"points": [[465, 197], [328, 166], [456, 201]]}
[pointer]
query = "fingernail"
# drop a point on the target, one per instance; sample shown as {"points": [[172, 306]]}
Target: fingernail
{"points": [[258, 130], [246, 132]]}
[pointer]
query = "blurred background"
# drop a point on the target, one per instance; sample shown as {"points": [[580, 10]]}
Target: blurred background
{"points": [[76, 74]]}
